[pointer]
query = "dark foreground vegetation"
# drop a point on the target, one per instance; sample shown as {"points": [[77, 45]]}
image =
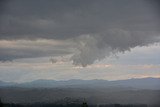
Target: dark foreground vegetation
{"points": [[83, 104], [73, 105]]}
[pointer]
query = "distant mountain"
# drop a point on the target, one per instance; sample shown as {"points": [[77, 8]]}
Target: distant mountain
{"points": [[143, 83], [131, 91], [4, 84]]}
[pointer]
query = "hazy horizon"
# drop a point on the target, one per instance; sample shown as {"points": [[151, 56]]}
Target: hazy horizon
{"points": [[81, 79]]}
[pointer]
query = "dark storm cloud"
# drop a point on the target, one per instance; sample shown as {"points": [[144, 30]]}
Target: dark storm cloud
{"points": [[99, 46], [100, 28], [16, 49], [66, 19], [11, 54]]}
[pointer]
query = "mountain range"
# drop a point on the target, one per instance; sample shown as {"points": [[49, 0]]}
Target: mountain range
{"points": [[130, 91], [135, 83]]}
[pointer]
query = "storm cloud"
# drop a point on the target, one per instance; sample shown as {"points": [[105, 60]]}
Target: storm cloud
{"points": [[16, 49], [95, 29]]}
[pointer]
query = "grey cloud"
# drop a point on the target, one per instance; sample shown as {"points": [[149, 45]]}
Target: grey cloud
{"points": [[11, 54], [66, 19], [98, 28], [98, 46], [53, 60], [10, 50]]}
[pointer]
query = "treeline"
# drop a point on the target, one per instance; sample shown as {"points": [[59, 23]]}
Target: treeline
{"points": [[72, 105], [75, 103]]}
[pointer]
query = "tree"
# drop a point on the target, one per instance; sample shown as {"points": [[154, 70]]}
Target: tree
{"points": [[84, 104], [1, 104]]}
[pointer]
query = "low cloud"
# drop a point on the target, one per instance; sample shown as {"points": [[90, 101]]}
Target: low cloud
{"points": [[98, 46], [17, 49]]}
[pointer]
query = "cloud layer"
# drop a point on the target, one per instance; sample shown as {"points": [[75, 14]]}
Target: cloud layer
{"points": [[93, 29]]}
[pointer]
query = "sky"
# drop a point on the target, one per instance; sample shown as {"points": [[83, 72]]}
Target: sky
{"points": [[79, 39]]}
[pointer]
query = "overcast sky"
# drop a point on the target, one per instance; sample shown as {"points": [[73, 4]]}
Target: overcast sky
{"points": [[79, 39]]}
